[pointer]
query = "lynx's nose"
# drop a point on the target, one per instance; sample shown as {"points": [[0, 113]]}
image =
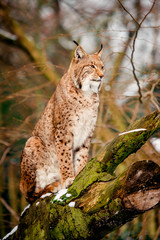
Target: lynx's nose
{"points": [[101, 76]]}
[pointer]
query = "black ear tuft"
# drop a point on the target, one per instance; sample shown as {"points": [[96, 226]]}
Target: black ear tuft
{"points": [[99, 53], [100, 48], [76, 43]]}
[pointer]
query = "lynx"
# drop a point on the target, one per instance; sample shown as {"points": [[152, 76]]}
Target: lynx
{"points": [[59, 146]]}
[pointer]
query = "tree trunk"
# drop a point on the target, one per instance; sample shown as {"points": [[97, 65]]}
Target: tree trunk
{"points": [[103, 201]]}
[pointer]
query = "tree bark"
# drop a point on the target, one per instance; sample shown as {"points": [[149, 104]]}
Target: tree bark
{"points": [[103, 201]]}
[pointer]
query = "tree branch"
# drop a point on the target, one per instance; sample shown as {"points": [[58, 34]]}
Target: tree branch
{"points": [[103, 201], [134, 42], [19, 38]]}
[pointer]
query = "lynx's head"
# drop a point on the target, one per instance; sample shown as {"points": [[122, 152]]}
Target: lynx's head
{"points": [[86, 70]]}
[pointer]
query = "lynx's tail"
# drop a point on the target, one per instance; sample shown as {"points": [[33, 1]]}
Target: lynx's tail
{"points": [[31, 196]]}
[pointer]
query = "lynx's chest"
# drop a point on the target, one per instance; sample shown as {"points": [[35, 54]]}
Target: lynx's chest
{"points": [[84, 125]]}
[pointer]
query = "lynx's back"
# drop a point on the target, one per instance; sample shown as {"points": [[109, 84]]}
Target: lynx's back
{"points": [[60, 142]]}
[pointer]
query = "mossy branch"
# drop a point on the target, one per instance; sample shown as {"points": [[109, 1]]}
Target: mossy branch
{"points": [[102, 167], [103, 201]]}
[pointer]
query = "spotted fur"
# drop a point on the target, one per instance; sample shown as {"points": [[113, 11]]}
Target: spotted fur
{"points": [[60, 142]]}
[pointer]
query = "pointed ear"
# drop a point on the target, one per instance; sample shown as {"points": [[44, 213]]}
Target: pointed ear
{"points": [[79, 52], [99, 53]]}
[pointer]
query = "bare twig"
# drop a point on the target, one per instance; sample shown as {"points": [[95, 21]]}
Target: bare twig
{"points": [[24, 92], [157, 233], [13, 213], [4, 142], [151, 95], [134, 41], [4, 155], [125, 9]]}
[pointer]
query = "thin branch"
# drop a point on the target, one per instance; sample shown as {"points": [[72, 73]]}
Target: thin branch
{"points": [[125, 9], [4, 143], [134, 41], [24, 92], [157, 233], [13, 213], [7, 35], [4, 155], [151, 95]]}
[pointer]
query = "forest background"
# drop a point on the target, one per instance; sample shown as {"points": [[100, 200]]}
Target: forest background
{"points": [[35, 51]]}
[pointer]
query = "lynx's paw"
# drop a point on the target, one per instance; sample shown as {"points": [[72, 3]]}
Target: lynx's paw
{"points": [[57, 189], [68, 182], [53, 187]]}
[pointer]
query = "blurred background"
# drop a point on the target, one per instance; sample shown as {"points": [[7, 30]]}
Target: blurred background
{"points": [[35, 51]]}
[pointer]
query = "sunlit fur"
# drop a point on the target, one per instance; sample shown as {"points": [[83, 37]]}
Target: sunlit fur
{"points": [[88, 71]]}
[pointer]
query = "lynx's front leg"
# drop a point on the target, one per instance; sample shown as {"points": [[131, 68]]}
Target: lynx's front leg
{"points": [[81, 156], [64, 146]]}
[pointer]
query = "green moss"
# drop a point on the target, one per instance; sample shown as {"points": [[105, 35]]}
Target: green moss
{"points": [[115, 206], [36, 232], [72, 224], [93, 172], [34, 222], [122, 147]]}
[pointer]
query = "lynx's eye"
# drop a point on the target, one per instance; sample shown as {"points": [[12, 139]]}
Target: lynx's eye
{"points": [[93, 66], [102, 67]]}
